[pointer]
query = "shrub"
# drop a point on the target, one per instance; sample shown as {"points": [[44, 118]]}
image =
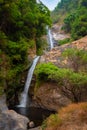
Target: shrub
{"points": [[72, 117], [70, 83], [61, 42], [77, 59]]}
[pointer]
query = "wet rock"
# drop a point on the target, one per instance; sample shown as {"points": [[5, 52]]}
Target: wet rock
{"points": [[9, 119], [31, 124]]}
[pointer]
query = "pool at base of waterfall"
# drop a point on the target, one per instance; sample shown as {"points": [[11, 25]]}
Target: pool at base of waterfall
{"points": [[37, 115]]}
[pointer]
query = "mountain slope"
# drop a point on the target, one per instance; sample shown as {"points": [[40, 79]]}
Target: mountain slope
{"points": [[72, 14]]}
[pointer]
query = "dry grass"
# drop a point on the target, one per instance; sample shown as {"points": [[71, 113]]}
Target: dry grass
{"points": [[73, 117]]}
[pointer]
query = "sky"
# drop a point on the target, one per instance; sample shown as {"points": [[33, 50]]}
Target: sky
{"points": [[51, 4]]}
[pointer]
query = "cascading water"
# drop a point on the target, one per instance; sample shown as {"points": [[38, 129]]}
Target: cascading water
{"points": [[24, 96], [50, 39], [28, 111]]}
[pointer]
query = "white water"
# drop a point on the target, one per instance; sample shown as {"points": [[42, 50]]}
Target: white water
{"points": [[24, 95], [50, 39]]}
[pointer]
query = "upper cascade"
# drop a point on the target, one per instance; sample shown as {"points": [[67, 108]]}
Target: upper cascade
{"points": [[50, 39], [24, 96]]}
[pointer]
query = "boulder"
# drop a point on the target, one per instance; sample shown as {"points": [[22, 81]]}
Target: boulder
{"points": [[49, 97], [31, 124], [10, 120], [3, 106]]}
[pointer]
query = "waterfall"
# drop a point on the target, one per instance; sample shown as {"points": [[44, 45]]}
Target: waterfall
{"points": [[50, 39], [24, 95]]}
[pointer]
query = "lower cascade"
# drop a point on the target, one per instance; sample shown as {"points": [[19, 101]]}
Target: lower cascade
{"points": [[24, 95]]}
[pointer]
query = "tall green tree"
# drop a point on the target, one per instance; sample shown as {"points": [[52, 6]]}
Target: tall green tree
{"points": [[22, 22]]}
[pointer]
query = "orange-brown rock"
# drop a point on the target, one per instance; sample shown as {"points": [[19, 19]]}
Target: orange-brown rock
{"points": [[49, 97], [55, 57]]}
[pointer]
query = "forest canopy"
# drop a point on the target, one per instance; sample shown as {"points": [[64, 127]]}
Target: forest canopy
{"points": [[22, 22], [73, 15]]}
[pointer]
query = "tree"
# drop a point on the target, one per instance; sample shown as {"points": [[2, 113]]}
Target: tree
{"points": [[20, 21], [68, 22], [73, 14]]}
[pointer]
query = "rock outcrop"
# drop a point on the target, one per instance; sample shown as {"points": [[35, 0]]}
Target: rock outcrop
{"points": [[58, 33], [49, 97], [3, 106], [9, 119], [55, 57]]}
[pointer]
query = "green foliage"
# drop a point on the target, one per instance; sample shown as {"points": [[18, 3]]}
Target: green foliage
{"points": [[77, 24], [43, 71], [74, 17], [68, 21], [64, 41], [77, 59], [52, 121], [70, 83], [78, 27], [41, 45], [31, 43], [22, 22], [44, 125], [63, 8]]}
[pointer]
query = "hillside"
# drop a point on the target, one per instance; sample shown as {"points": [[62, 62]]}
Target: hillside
{"points": [[62, 9], [61, 75], [55, 55], [72, 15], [62, 80]]}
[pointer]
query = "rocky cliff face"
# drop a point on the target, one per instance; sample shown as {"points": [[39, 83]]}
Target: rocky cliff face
{"points": [[55, 57], [48, 95], [58, 33], [9, 119]]}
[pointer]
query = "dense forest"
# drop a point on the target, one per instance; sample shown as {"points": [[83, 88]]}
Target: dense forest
{"points": [[22, 23], [73, 16]]}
